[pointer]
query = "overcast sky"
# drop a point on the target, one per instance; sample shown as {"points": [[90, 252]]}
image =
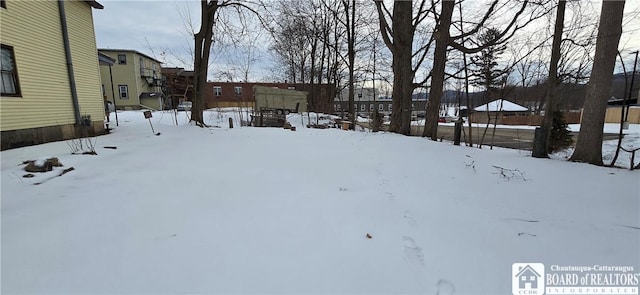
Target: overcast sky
{"points": [[161, 29], [144, 26], [157, 28]]}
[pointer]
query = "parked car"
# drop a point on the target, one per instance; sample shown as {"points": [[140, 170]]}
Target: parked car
{"points": [[447, 119], [184, 106]]}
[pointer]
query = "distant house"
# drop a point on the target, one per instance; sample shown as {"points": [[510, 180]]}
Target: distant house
{"points": [[137, 80], [497, 110], [527, 276], [50, 83]]}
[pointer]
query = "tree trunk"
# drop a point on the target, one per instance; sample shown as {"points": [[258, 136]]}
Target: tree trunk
{"points": [[589, 144], [203, 40], [552, 82], [437, 76], [350, 12], [402, 69]]}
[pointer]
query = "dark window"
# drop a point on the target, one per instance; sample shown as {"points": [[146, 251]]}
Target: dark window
{"points": [[9, 78], [3, 4], [124, 91], [122, 59]]}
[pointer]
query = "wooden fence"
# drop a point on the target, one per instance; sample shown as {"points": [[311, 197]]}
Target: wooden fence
{"points": [[612, 116]]}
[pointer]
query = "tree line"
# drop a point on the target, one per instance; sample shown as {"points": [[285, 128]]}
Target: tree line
{"points": [[425, 44]]}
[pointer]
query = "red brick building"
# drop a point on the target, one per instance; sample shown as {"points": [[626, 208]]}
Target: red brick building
{"points": [[230, 94]]}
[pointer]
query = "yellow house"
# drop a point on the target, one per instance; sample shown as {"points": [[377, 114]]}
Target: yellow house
{"points": [[50, 83], [136, 80]]}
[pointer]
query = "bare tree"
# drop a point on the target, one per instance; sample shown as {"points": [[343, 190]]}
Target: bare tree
{"points": [[399, 38], [589, 143], [203, 41], [209, 17], [541, 144], [444, 40]]}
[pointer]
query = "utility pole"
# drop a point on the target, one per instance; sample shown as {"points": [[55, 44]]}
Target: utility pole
{"points": [[633, 76], [375, 40]]}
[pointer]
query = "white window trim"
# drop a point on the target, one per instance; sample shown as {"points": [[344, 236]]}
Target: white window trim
{"points": [[126, 91]]}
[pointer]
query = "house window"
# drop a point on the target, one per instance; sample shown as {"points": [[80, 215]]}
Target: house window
{"points": [[141, 66], [413, 106], [523, 278], [390, 107], [154, 68], [362, 107], [124, 91], [122, 59], [217, 90], [338, 106], [371, 107], [380, 107], [355, 106], [9, 80], [103, 92], [3, 4], [237, 90], [532, 278]]}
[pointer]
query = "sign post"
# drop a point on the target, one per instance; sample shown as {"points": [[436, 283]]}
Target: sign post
{"points": [[148, 116]]}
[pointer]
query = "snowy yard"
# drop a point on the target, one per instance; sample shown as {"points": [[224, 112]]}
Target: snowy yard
{"points": [[269, 210]]}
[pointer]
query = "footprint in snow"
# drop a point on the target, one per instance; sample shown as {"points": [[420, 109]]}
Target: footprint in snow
{"points": [[409, 218], [445, 288], [390, 196], [412, 252]]}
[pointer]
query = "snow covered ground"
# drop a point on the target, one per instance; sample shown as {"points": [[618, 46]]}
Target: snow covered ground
{"points": [[269, 210]]}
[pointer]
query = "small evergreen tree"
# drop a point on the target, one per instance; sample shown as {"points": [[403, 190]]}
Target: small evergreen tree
{"points": [[376, 120], [560, 134]]}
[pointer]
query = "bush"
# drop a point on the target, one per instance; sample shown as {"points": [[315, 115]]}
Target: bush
{"points": [[376, 121]]}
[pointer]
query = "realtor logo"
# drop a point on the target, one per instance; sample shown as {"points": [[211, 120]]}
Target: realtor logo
{"points": [[527, 278]]}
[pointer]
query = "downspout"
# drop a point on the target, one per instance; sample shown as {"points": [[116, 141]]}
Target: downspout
{"points": [[67, 52]]}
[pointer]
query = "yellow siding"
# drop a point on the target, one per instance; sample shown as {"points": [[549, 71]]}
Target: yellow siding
{"points": [[122, 75], [33, 29], [85, 59]]}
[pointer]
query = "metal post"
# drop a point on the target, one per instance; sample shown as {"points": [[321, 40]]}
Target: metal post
{"points": [[457, 131], [113, 95]]}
